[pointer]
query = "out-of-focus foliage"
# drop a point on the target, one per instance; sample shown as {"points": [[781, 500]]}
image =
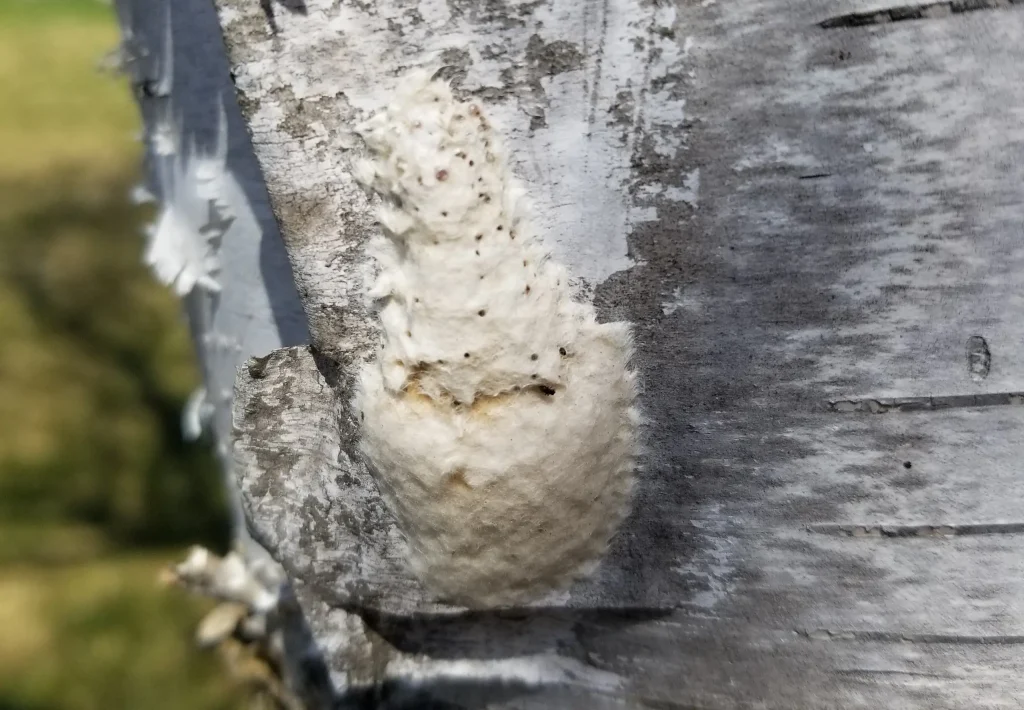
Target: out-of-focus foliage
{"points": [[97, 490]]}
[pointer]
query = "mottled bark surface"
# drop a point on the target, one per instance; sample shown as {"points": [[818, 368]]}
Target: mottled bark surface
{"points": [[813, 219]]}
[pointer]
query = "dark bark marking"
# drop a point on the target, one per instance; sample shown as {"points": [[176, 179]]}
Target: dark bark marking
{"points": [[895, 637], [901, 13], [295, 6], [903, 531], [919, 404], [979, 358]]}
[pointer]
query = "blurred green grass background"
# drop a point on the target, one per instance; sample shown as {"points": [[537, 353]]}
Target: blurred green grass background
{"points": [[97, 490]]}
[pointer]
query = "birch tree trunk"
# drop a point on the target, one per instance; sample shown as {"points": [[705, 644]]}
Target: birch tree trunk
{"points": [[810, 211]]}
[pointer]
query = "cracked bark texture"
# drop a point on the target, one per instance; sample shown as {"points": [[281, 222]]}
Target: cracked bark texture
{"points": [[805, 207]]}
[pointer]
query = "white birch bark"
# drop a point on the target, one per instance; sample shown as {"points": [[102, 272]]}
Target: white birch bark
{"points": [[810, 211]]}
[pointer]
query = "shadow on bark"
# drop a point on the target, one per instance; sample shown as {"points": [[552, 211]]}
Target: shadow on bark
{"points": [[503, 633]]}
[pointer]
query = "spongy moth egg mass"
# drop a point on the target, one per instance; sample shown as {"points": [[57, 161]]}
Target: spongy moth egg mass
{"points": [[479, 428]]}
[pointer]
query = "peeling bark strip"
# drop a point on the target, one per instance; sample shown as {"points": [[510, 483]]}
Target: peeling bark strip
{"points": [[216, 243], [912, 531], [922, 404], [885, 637], [934, 10], [665, 148]]}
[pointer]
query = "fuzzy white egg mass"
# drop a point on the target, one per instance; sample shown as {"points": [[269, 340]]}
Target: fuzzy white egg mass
{"points": [[499, 416]]}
